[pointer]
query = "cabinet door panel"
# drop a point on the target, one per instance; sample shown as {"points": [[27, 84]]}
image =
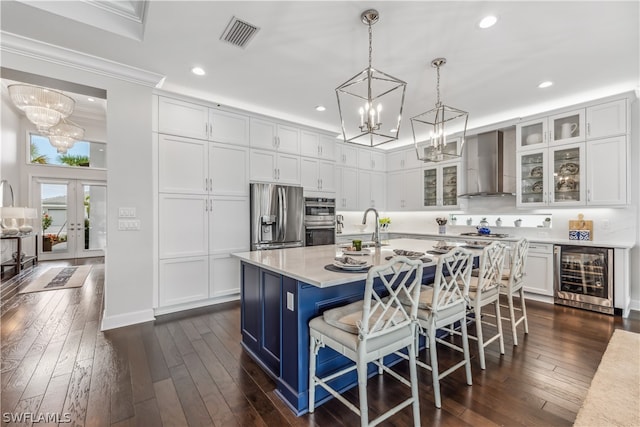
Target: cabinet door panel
{"points": [[288, 169], [395, 191], [288, 139], [412, 190], [182, 118], [229, 170], [309, 174], [262, 134], [607, 171], [327, 146], [349, 187], [183, 280], [229, 225], [182, 165], [539, 274], [326, 174], [270, 345], [183, 225], [309, 144], [364, 190], [251, 306], [608, 119], [567, 127], [228, 127], [263, 165], [378, 187], [224, 276]]}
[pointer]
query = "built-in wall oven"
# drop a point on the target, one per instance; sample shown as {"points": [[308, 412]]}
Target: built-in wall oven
{"points": [[583, 277], [319, 221]]}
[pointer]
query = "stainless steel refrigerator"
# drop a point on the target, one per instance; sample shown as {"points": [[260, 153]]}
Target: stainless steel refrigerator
{"points": [[277, 216]]}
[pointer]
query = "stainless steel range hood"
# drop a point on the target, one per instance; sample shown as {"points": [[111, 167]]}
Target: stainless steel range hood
{"points": [[490, 165]]}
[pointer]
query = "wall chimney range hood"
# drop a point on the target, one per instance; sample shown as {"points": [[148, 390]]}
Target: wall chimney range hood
{"points": [[490, 166]]}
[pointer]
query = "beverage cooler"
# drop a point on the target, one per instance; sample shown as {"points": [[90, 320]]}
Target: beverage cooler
{"points": [[583, 277]]}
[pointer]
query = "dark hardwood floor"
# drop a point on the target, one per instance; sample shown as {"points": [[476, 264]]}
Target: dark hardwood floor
{"points": [[190, 369]]}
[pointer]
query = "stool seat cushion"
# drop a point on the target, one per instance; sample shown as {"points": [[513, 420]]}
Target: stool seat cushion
{"points": [[425, 300], [348, 317]]}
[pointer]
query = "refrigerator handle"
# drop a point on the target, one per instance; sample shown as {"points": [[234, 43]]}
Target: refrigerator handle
{"points": [[284, 209], [557, 267], [280, 214]]}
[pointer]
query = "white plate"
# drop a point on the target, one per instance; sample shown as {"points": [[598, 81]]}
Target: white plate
{"points": [[350, 267], [477, 245], [442, 249], [362, 252]]}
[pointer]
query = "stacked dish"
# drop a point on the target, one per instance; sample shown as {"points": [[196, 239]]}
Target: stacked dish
{"points": [[349, 263]]}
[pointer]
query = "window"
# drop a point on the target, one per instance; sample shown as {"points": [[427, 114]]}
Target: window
{"points": [[82, 154]]}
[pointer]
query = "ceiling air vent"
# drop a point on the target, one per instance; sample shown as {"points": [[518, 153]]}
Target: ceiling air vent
{"points": [[238, 32]]}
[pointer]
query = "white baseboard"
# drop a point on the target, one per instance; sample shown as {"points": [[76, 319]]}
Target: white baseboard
{"points": [[196, 304], [126, 319]]}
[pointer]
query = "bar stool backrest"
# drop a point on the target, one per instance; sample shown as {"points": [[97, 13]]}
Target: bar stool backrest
{"points": [[518, 265], [491, 263], [454, 269]]}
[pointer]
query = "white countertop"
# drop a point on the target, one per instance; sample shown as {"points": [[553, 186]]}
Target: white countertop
{"points": [[306, 264], [511, 238]]}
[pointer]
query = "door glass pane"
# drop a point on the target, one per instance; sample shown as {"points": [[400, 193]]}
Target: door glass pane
{"points": [[450, 186], [531, 181], [430, 187], [566, 175], [54, 208], [566, 127], [531, 134], [95, 217]]}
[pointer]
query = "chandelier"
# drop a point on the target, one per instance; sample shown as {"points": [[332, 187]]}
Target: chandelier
{"points": [[361, 100], [429, 133], [63, 135], [43, 107]]}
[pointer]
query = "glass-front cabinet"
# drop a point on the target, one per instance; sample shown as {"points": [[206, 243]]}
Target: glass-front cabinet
{"points": [[554, 176], [532, 171], [441, 186], [564, 128]]}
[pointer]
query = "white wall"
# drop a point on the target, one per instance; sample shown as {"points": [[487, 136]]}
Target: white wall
{"points": [[128, 269]]}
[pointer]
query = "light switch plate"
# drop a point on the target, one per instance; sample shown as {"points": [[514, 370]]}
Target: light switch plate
{"points": [[127, 212], [128, 224]]}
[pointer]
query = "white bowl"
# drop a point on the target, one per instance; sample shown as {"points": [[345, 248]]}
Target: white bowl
{"points": [[360, 227]]}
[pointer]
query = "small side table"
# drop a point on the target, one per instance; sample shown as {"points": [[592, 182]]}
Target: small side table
{"points": [[19, 265]]}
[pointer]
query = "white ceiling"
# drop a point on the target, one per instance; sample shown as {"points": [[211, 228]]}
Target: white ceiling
{"points": [[305, 49]]}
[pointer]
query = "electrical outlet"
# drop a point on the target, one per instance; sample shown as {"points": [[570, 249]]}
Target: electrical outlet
{"points": [[127, 212], [290, 304], [605, 224]]}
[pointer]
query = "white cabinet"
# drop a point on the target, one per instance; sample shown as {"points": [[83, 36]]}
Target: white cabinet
{"points": [[228, 170], [607, 171], [441, 186], [371, 190], [199, 121], [538, 276], [347, 189], [347, 155], [183, 165], [317, 175], [608, 119], [402, 160], [371, 160], [183, 280], [272, 166], [228, 225], [183, 225], [274, 136], [563, 128], [229, 128], [193, 166], [317, 145], [404, 190], [224, 276]]}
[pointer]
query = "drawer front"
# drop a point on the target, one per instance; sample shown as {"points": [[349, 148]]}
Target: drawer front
{"points": [[541, 248]]}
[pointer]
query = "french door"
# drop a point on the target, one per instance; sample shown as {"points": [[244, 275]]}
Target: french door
{"points": [[73, 217]]}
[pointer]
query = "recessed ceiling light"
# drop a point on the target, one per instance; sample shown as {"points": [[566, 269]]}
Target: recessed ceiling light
{"points": [[320, 108], [90, 99], [488, 21], [198, 71], [545, 84]]}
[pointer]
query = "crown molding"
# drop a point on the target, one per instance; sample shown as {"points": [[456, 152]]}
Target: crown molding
{"points": [[19, 45]]}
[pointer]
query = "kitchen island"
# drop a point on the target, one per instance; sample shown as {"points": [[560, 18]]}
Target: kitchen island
{"points": [[285, 288]]}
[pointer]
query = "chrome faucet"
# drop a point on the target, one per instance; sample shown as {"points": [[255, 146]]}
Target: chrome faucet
{"points": [[376, 233]]}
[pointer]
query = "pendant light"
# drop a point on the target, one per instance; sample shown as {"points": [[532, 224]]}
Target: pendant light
{"points": [[63, 135], [432, 128], [370, 103]]}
